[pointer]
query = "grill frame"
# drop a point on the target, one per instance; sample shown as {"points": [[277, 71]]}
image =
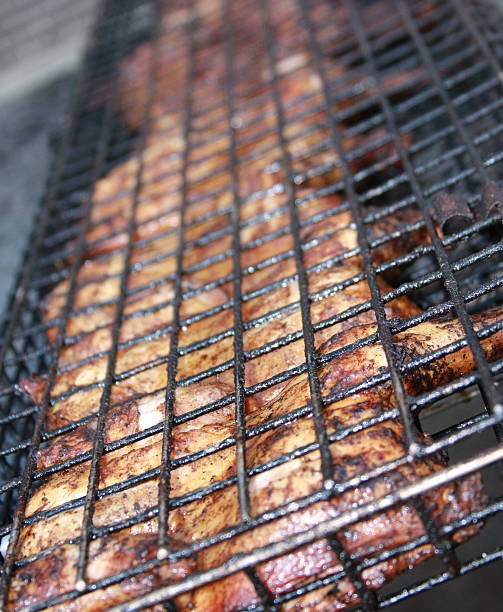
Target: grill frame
{"points": [[24, 300]]}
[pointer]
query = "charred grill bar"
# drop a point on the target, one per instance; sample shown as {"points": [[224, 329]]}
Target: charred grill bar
{"points": [[238, 184]]}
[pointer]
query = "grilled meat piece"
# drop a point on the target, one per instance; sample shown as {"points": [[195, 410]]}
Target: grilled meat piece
{"points": [[55, 573], [257, 370], [352, 455], [202, 450], [314, 164], [144, 338]]}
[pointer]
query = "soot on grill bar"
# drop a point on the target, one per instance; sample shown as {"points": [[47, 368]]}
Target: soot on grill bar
{"points": [[252, 359]]}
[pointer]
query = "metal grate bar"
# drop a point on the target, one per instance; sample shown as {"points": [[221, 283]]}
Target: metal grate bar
{"points": [[237, 298], [488, 388], [26, 480], [267, 601], [447, 108], [99, 440], [315, 533], [302, 280], [174, 328]]}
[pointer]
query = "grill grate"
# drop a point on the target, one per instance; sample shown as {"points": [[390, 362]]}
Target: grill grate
{"points": [[250, 117]]}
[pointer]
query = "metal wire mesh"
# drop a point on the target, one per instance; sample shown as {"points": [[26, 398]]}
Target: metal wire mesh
{"points": [[251, 150]]}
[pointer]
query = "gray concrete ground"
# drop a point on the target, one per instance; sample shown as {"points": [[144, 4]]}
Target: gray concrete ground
{"points": [[39, 40], [26, 125], [41, 43]]}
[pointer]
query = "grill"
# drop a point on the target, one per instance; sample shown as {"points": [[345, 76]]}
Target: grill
{"points": [[238, 123]]}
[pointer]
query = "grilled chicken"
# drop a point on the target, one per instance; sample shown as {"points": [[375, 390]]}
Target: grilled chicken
{"points": [[84, 362], [278, 415], [352, 455], [139, 400]]}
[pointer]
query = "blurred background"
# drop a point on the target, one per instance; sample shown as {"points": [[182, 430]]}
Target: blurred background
{"points": [[41, 44]]}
